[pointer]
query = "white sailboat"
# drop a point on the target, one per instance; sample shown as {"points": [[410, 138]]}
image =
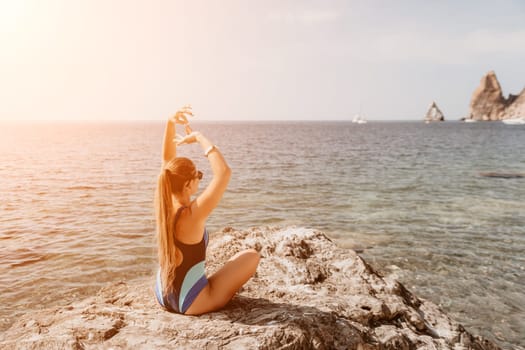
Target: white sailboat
{"points": [[514, 121], [359, 119]]}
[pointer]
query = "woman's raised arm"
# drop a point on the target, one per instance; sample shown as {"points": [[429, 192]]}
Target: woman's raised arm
{"points": [[211, 196], [169, 147]]}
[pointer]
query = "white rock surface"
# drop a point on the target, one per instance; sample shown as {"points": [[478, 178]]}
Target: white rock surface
{"points": [[307, 294]]}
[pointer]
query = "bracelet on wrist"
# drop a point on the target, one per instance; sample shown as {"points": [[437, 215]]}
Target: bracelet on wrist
{"points": [[209, 150]]}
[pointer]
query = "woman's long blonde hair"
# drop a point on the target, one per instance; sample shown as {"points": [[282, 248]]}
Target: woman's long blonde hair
{"points": [[171, 181]]}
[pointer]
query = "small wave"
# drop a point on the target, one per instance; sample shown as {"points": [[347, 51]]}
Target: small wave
{"points": [[21, 257], [27, 261], [81, 188]]}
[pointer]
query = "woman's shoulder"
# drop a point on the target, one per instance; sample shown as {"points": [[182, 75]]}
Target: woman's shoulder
{"points": [[188, 228], [189, 213]]}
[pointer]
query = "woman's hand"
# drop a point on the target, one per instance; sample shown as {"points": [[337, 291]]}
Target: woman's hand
{"points": [[180, 116], [189, 138]]}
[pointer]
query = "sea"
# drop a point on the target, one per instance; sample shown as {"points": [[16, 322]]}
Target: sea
{"points": [[76, 206]]}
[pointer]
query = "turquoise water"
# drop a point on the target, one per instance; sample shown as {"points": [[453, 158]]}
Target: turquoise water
{"points": [[76, 209]]}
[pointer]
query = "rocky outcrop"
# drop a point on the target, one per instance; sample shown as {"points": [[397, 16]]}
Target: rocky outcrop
{"points": [[488, 104], [434, 114], [307, 294], [515, 106]]}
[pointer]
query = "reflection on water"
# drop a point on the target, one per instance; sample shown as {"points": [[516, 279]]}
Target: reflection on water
{"points": [[76, 208]]}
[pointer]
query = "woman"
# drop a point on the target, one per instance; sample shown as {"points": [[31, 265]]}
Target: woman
{"points": [[182, 286]]}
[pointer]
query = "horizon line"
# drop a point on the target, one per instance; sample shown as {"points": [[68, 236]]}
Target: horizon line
{"points": [[23, 121]]}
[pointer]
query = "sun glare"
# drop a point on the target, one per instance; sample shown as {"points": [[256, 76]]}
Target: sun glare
{"points": [[11, 13]]}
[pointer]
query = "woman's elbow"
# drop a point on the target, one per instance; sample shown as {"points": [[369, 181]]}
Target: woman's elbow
{"points": [[227, 172], [223, 173]]}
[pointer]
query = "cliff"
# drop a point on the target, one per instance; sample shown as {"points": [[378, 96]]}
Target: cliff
{"points": [[488, 104], [307, 294]]}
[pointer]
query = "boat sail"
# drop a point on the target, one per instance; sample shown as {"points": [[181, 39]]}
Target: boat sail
{"points": [[359, 119], [434, 114]]}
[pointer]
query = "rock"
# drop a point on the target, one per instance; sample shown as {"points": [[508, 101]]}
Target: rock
{"points": [[307, 294], [503, 175], [515, 106], [434, 114], [487, 101], [488, 104]]}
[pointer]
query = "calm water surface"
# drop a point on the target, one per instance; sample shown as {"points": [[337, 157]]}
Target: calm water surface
{"points": [[76, 206]]}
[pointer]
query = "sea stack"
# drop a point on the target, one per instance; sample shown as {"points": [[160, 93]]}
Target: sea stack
{"points": [[434, 114], [488, 104]]}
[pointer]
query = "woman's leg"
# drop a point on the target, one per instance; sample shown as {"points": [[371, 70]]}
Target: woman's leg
{"points": [[223, 284]]}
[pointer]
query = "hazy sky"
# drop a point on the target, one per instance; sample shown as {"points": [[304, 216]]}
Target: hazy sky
{"points": [[253, 60]]}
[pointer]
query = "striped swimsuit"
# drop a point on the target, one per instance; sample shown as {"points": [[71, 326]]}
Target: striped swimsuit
{"points": [[190, 277]]}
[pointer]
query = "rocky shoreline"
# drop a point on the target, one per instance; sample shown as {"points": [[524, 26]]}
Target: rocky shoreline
{"points": [[307, 294]]}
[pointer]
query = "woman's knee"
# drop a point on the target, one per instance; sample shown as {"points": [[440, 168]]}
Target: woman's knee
{"points": [[253, 256]]}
